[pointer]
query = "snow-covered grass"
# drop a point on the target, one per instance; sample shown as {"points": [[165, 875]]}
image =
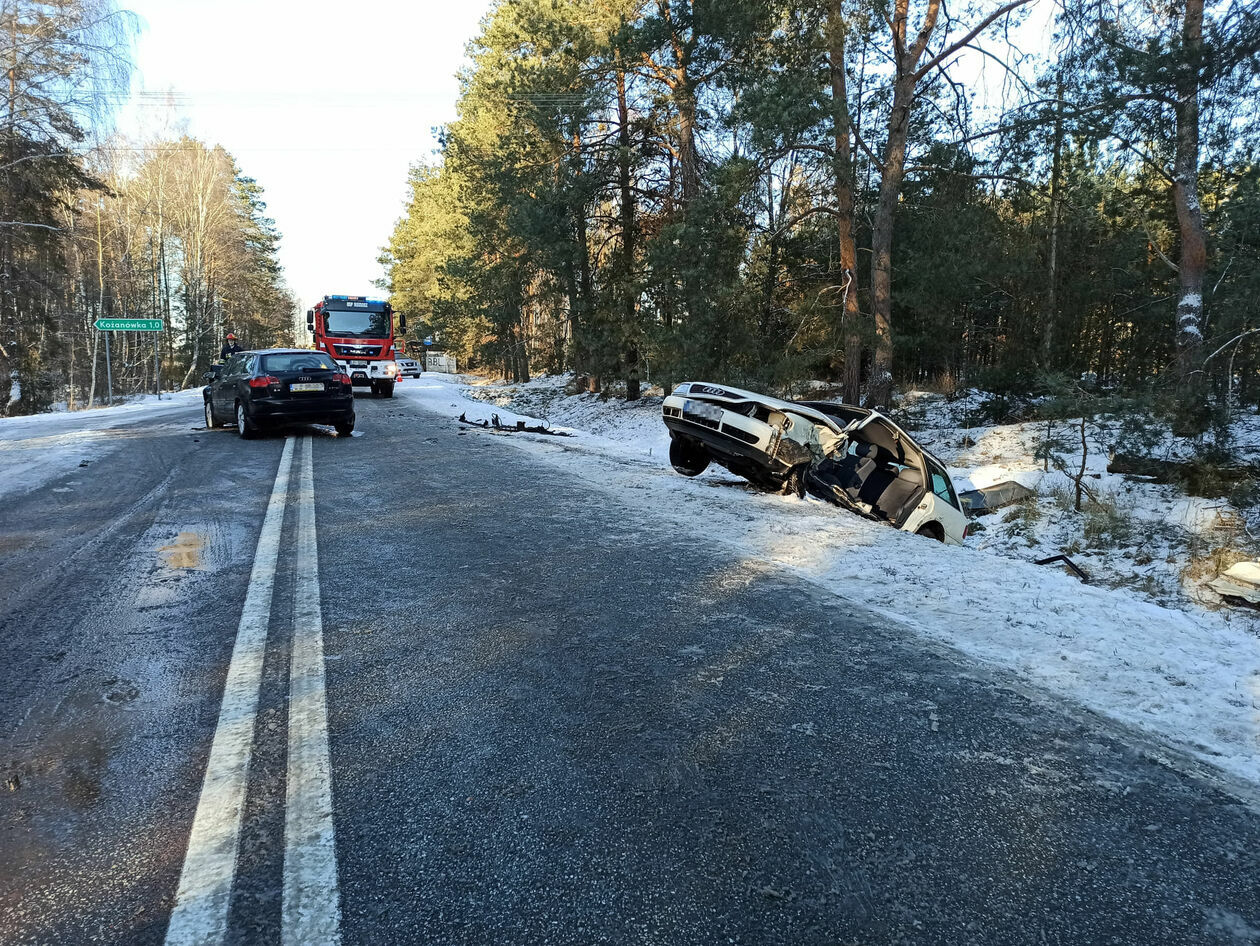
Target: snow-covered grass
{"points": [[41, 447], [1149, 538], [1187, 676]]}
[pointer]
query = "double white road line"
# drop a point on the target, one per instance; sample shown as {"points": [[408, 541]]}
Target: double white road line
{"points": [[310, 912]]}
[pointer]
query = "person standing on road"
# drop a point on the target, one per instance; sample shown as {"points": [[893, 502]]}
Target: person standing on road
{"points": [[229, 347]]}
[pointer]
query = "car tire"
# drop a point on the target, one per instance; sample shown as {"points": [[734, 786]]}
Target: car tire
{"points": [[932, 530], [211, 421], [244, 426], [794, 482], [344, 427], [688, 457]]}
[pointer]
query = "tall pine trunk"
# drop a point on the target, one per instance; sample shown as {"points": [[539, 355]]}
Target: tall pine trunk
{"points": [[842, 159], [1185, 191], [629, 308]]}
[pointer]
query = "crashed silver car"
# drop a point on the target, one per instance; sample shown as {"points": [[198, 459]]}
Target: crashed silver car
{"points": [[852, 456]]}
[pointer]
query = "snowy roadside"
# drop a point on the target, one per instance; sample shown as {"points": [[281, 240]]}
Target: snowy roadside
{"points": [[1190, 679], [41, 447]]}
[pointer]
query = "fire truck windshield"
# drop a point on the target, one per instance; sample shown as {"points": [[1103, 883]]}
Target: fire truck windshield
{"points": [[344, 324]]}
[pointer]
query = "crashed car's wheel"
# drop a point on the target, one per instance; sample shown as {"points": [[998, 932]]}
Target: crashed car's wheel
{"points": [[794, 482], [688, 457], [932, 530]]}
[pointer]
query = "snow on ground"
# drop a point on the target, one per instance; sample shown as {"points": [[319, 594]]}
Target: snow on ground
{"points": [[42, 447], [1189, 677], [1145, 537]]}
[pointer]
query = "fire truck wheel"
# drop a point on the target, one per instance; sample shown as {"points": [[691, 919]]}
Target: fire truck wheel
{"points": [[387, 389]]}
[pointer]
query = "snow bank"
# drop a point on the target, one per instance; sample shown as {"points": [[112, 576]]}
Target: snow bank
{"points": [[1191, 679]]}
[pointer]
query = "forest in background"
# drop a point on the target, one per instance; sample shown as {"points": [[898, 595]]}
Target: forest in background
{"points": [[772, 192], [169, 228]]}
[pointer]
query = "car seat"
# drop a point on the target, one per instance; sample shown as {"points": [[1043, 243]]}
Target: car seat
{"points": [[900, 493], [877, 475]]}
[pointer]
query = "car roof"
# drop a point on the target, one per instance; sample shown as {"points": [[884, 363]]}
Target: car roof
{"points": [[283, 351]]}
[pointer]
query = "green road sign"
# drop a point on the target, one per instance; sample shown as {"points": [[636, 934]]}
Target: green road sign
{"points": [[129, 325]]}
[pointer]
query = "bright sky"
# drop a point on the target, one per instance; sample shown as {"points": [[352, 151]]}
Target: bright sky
{"points": [[325, 104]]}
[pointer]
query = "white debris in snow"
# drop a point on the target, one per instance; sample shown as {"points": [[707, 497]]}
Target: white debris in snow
{"points": [[1189, 677]]}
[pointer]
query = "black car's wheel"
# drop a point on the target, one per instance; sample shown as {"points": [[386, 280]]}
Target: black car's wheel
{"points": [[688, 457], [344, 427], [244, 426], [211, 421]]}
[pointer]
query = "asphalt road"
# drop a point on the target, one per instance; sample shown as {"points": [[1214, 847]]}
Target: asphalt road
{"points": [[470, 701]]}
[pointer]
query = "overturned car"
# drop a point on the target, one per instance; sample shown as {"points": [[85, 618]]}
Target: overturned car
{"points": [[852, 456]]}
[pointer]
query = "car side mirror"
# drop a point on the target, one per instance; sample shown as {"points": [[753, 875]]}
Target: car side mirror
{"points": [[214, 373]]}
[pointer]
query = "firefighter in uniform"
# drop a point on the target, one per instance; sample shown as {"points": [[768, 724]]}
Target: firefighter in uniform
{"points": [[229, 348]]}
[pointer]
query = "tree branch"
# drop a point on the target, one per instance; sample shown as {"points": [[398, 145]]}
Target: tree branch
{"points": [[966, 40]]}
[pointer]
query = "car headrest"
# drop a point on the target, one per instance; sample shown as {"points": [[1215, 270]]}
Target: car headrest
{"points": [[910, 475], [866, 451]]}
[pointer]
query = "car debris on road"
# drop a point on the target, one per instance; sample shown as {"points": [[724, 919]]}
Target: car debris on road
{"points": [[519, 427]]}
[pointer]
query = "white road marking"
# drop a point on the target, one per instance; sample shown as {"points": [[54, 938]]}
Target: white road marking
{"points": [[205, 884], [310, 912]]}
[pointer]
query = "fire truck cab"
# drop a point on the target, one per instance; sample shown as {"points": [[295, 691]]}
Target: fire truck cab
{"points": [[358, 333]]}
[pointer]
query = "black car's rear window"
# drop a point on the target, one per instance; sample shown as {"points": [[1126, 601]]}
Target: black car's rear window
{"points": [[296, 361]]}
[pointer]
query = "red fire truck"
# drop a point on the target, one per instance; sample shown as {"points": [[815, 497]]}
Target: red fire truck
{"points": [[358, 333]]}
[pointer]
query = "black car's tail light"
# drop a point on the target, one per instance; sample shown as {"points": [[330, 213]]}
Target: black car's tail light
{"points": [[264, 382]]}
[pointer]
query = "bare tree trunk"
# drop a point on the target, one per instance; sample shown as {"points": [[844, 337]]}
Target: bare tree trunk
{"points": [[842, 160], [879, 387], [1050, 314], [1185, 192], [629, 306], [684, 97], [908, 72]]}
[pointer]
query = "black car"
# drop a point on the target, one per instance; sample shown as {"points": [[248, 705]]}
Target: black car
{"points": [[279, 386]]}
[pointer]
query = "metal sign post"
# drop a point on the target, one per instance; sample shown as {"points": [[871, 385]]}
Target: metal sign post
{"points": [[130, 325], [109, 374]]}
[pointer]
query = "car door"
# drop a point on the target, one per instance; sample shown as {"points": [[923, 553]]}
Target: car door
{"points": [[217, 387], [224, 390], [939, 504]]}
